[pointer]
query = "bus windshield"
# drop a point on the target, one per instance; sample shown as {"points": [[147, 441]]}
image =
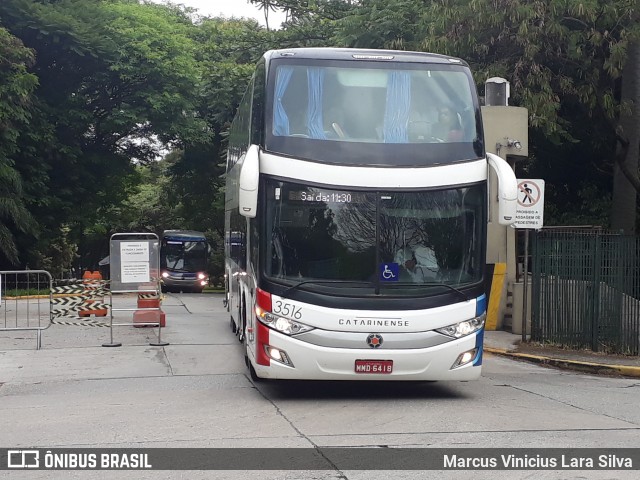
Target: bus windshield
{"points": [[392, 243], [184, 256], [422, 113]]}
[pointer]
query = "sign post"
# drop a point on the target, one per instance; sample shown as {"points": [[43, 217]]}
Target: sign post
{"points": [[529, 215]]}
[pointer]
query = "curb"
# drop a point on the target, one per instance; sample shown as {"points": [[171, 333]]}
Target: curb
{"points": [[587, 367], [36, 297]]}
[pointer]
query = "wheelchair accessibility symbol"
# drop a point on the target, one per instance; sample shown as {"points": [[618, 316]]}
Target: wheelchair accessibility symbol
{"points": [[389, 272]]}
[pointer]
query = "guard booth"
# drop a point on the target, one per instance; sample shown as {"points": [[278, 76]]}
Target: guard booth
{"points": [[134, 270]]}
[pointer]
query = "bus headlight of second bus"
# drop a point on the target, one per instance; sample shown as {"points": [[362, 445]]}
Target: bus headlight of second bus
{"points": [[462, 329]]}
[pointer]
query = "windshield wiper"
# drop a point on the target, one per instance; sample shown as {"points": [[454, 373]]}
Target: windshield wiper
{"points": [[339, 282], [433, 284]]}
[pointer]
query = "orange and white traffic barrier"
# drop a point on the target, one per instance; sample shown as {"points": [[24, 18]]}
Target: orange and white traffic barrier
{"points": [[94, 295], [152, 313]]}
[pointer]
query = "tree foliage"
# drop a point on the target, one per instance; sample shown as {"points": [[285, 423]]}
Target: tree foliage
{"points": [[116, 81], [16, 88]]}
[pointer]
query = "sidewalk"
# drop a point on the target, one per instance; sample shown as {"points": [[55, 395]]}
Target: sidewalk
{"points": [[510, 345]]}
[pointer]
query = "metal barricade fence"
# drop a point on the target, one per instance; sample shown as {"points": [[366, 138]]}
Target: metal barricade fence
{"points": [[77, 300], [25, 301], [586, 291], [29, 301]]}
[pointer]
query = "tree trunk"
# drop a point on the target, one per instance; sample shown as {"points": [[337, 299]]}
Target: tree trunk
{"points": [[625, 170]]}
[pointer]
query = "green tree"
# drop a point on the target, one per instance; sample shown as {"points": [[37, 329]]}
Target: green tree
{"points": [[117, 81], [227, 53], [16, 88], [310, 23]]}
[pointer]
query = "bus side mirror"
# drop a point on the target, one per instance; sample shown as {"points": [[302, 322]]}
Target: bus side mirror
{"points": [[249, 179], [507, 189]]}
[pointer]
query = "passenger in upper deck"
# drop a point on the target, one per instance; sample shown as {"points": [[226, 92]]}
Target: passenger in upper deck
{"points": [[448, 128]]}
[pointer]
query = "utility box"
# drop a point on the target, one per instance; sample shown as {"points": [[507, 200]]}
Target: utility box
{"points": [[518, 300], [506, 130]]}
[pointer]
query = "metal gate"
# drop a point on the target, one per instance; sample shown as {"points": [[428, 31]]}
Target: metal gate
{"points": [[29, 301], [25, 301], [586, 291]]}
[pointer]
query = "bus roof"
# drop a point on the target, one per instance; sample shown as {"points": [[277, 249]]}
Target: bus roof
{"points": [[185, 235], [326, 53]]}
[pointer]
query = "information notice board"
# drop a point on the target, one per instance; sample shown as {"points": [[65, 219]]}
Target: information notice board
{"points": [[134, 261]]}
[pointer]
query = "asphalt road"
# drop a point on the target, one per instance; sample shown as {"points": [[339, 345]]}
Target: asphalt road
{"points": [[196, 392]]}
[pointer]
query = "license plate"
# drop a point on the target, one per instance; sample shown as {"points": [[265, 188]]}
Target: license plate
{"points": [[374, 366]]}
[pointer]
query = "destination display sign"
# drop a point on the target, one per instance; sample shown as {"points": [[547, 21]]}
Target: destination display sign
{"points": [[325, 196]]}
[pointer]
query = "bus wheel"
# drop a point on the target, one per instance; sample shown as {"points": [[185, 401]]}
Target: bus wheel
{"points": [[225, 300], [241, 326], [232, 324]]}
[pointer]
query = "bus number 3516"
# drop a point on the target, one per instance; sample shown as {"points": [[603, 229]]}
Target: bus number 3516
{"points": [[287, 309]]}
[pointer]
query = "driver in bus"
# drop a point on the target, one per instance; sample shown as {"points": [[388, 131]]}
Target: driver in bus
{"points": [[417, 264]]}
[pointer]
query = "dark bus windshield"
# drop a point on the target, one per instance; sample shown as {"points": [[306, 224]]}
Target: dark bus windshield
{"points": [[184, 256], [385, 242], [373, 112]]}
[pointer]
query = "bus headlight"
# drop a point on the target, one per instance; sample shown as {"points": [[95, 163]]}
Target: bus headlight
{"points": [[201, 276], [462, 329], [465, 358], [281, 324], [278, 355]]}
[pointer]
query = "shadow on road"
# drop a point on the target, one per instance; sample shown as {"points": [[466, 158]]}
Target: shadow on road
{"points": [[363, 391]]}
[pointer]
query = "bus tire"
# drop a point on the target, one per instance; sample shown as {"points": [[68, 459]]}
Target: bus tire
{"points": [[242, 320], [227, 293], [232, 324]]}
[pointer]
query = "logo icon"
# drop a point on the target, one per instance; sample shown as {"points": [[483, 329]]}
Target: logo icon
{"points": [[389, 272], [374, 340], [23, 459]]}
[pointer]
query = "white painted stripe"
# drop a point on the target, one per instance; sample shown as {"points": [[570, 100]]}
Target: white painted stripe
{"points": [[374, 177]]}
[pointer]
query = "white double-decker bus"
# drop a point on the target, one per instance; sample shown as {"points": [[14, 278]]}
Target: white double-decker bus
{"points": [[356, 217]]}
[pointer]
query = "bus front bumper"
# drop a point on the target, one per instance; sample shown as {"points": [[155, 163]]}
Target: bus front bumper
{"points": [[314, 362]]}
